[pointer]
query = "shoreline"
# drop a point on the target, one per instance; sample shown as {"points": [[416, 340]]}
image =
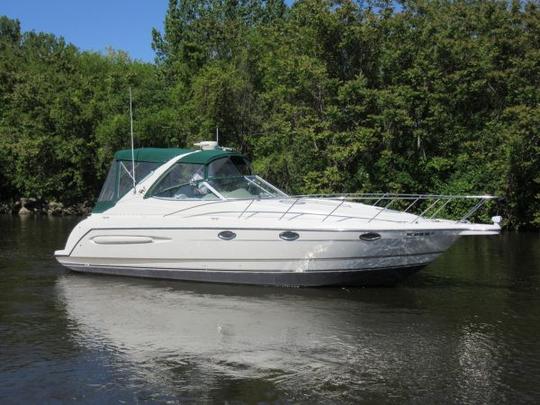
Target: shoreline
{"points": [[24, 207], [36, 206]]}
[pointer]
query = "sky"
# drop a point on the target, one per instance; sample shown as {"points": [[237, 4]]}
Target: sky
{"points": [[93, 25]]}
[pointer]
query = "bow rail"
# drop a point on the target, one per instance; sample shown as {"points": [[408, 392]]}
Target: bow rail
{"points": [[420, 206]]}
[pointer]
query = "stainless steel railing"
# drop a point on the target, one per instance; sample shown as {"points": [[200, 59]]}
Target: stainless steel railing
{"points": [[420, 206]]}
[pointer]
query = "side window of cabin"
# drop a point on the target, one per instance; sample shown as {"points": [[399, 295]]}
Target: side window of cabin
{"points": [[108, 191], [178, 179], [142, 169], [119, 182], [232, 166], [125, 183]]}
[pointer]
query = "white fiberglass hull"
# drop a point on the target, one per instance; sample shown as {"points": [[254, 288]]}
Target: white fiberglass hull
{"points": [[258, 256], [278, 241]]}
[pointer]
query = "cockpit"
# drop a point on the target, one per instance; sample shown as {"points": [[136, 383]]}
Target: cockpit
{"points": [[224, 178]]}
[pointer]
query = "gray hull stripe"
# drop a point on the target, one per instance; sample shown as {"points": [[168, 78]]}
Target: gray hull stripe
{"points": [[319, 259], [366, 277], [243, 271]]}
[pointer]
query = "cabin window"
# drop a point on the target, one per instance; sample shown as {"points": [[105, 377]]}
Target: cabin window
{"points": [[108, 191], [232, 166], [119, 182], [182, 181], [142, 169]]}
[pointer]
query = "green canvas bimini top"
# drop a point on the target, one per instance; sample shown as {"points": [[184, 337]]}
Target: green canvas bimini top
{"points": [[153, 155], [162, 155], [158, 156]]}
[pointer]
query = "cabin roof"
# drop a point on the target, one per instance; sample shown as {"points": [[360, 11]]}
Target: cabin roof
{"points": [[162, 155]]}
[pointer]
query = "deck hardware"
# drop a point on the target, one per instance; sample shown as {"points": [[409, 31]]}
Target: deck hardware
{"points": [[435, 204], [472, 210], [381, 211], [245, 209], [440, 208], [289, 235], [290, 206], [334, 210], [411, 204], [226, 235], [426, 210]]}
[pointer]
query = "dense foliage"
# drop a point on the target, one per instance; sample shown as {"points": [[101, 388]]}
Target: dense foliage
{"points": [[325, 96]]}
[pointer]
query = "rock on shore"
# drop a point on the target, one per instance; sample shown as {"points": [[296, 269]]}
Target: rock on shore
{"points": [[37, 206]]}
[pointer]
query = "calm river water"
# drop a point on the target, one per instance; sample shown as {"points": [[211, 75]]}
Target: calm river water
{"points": [[464, 330]]}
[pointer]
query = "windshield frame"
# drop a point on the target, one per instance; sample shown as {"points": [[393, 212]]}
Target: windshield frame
{"points": [[264, 186], [270, 189]]}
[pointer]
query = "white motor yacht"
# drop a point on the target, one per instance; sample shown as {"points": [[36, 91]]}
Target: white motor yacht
{"points": [[202, 215]]}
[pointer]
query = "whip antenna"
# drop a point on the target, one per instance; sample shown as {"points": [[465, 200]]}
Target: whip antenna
{"points": [[132, 143]]}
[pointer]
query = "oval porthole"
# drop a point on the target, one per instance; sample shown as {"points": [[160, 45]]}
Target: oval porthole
{"points": [[288, 235], [370, 236], [226, 235]]}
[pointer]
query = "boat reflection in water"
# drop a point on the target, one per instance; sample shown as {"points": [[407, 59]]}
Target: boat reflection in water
{"points": [[333, 344]]}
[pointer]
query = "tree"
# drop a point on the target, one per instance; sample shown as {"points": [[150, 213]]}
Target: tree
{"points": [[325, 96]]}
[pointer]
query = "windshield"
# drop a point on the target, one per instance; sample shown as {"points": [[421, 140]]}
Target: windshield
{"points": [[229, 167], [243, 187], [183, 181], [239, 187]]}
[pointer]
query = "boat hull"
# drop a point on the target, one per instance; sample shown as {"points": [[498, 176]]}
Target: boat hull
{"points": [[360, 277], [257, 255]]}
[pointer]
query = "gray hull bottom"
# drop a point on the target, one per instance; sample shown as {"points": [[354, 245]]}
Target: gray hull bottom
{"points": [[371, 277]]}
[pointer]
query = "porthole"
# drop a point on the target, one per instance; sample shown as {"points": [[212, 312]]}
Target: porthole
{"points": [[370, 236], [226, 235], [289, 235]]}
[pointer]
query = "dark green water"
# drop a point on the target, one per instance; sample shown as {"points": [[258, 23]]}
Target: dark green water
{"points": [[464, 330]]}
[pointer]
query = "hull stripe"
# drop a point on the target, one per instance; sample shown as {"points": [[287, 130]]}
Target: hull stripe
{"points": [[367, 277], [265, 260], [172, 269]]}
